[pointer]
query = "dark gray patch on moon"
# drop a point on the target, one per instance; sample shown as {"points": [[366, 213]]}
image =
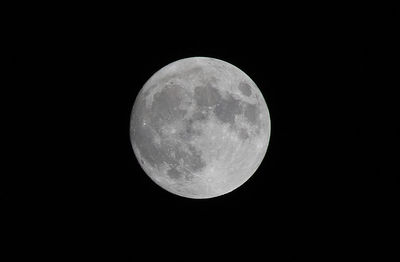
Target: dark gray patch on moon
{"points": [[206, 95], [251, 113], [194, 160], [243, 134], [226, 109], [188, 131], [190, 157], [164, 109], [199, 116], [245, 88], [180, 75], [191, 161], [155, 155], [173, 173], [144, 141], [165, 106], [192, 71]]}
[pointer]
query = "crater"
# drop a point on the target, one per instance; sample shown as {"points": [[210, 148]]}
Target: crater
{"points": [[244, 88]]}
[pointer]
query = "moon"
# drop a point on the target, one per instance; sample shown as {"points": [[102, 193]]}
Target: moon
{"points": [[200, 127]]}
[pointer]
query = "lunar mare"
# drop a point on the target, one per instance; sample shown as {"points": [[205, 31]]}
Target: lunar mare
{"points": [[200, 127]]}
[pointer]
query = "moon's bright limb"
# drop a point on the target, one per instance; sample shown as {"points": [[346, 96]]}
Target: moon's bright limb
{"points": [[200, 127]]}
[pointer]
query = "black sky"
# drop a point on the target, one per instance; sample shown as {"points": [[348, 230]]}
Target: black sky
{"points": [[325, 187]]}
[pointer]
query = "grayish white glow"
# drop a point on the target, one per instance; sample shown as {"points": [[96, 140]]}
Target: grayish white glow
{"points": [[200, 127]]}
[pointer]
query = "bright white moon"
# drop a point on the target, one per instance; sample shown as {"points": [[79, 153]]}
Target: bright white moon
{"points": [[200, 127]]}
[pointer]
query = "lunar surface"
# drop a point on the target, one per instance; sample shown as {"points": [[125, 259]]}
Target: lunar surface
{"points": [[200, 127]]}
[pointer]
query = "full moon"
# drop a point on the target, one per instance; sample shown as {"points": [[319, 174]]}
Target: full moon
{"points": [[200, 127]]}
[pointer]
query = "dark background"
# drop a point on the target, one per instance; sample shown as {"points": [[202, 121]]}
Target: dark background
{"points": [[325, 188]]}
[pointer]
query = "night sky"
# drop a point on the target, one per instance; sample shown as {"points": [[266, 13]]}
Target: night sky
{"points": [[326, 186]]}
